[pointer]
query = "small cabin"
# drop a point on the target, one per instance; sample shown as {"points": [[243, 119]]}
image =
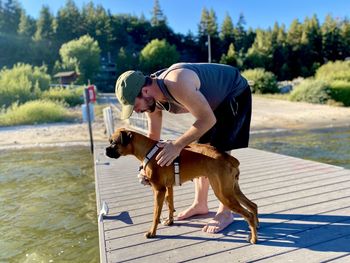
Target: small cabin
{"points": [[67, 77]]}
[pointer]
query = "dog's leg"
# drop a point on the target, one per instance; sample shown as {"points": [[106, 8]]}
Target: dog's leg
{"points": [[236, 207], [159, 195], [252, 207], [169, 198], [226, 195]]}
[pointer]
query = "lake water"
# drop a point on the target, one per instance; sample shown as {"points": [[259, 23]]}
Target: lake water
{"points": [[48, 206], [330, 146], [47, 195]]}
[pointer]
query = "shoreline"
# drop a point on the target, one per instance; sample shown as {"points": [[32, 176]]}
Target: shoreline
{"points": [[269, 116], [86, 142]]}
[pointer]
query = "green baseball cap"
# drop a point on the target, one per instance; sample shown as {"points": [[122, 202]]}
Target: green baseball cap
{"points": [[127, 87]]}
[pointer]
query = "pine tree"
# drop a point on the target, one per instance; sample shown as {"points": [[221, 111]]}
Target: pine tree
{"points": [[260, 54], [294, 46], [10, 13], [158, 17], [26, 25], [68, 22], [44, 25], [97, 23], [208, 26], [311, 50], [226, 34], [331, 39], [345, 38], [230, 58], [294, 34], [240, 33]]}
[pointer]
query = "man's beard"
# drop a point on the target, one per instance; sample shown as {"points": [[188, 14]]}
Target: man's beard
{"points": [[151, 104]]}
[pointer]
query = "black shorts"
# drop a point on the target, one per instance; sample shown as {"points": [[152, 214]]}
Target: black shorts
{"points": [[231, 130]]}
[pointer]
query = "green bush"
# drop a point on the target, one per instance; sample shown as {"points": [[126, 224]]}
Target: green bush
{"points": [[340, 91], [338, 70], [311, 90], [158, 54], [261, 81], [22, 83], [33, 112], [69, 95]]}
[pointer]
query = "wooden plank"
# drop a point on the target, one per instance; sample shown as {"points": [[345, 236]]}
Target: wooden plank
{"points": [[303, 208]]}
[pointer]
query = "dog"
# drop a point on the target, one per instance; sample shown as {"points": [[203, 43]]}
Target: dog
{"points": [[195, 160]]}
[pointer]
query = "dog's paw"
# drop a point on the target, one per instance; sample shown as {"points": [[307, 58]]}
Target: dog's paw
{"points": [[168, 222], [149, 234], [252, 239]]}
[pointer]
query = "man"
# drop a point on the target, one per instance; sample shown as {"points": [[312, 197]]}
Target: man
{"points": [[216, 95]]}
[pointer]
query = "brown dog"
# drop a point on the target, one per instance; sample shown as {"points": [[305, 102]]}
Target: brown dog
{"points": [[195, 160]]}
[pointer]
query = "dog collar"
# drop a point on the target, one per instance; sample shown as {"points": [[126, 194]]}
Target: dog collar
{"points": [[176, 162], [149, 156]]}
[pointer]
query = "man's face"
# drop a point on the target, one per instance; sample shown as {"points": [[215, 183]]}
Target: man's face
{"points": [[144, 104]]}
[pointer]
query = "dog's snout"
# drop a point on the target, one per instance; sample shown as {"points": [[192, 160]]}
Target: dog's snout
{"points": [[111, 152]]}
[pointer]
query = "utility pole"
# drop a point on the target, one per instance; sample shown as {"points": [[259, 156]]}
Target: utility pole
{"points": [[209, 49]]}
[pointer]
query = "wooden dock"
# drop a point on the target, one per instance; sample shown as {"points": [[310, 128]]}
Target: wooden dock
{"points": [[304, 212]]}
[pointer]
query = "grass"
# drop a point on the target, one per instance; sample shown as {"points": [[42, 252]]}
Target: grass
{"points": [[71, 96], [35, 112]]}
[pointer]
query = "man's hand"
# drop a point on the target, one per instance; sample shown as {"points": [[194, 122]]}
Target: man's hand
{"points": [[168, 154]]}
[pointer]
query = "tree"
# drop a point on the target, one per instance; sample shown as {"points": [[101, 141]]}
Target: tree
{"points": [[97, 23], [280, 52], [294, 34], [260, 54], [44, 25], [208, 26], [26, 25], [240, 34], [125, 61], [294, 47], [158, 54], [345, 37], [227, 32], [158, 17], [10, 14], [83, 55], [230, 58], [331, 39], [311, 49], [68, 22], [189, 48]]}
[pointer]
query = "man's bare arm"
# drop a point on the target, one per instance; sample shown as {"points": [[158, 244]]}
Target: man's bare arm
{"points": [[188, 94], [184, 86], [154, 124]]}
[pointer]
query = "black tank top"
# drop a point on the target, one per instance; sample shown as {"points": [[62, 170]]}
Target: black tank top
{"points": [[217, 82]]}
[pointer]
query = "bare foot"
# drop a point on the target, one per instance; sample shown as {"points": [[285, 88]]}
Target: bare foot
{"points": [[219, 222], [192, 211]]}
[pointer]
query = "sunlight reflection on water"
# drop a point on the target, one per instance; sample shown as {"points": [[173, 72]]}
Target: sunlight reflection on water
{"points": [[48, 205]]}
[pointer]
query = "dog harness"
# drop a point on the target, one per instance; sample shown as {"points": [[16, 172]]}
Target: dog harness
{"points": [[176, 162]]}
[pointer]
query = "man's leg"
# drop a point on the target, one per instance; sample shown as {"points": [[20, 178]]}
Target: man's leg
{"points": [[222, 219], [200, 202]]}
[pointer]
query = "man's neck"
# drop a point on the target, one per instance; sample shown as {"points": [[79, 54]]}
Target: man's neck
{"points": [[157, 93]]}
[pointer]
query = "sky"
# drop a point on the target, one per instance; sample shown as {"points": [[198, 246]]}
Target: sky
{"points": [[184, 15]]}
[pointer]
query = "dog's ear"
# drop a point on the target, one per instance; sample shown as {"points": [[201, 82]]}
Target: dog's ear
{"points": [[125, 138]]}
